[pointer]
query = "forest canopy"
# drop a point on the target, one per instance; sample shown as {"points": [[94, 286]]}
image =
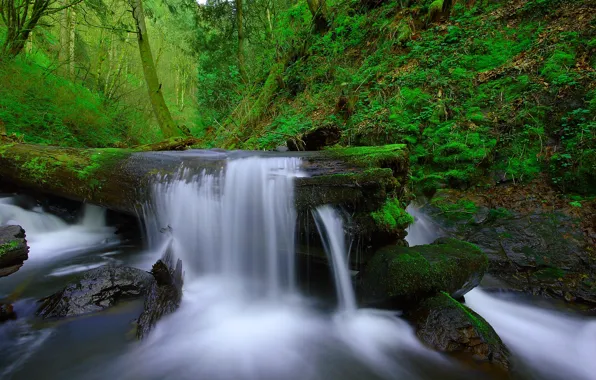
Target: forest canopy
{"points": [[501, 89]]}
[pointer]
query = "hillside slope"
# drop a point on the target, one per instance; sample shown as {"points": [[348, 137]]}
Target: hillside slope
{"points": [[490, 90]]}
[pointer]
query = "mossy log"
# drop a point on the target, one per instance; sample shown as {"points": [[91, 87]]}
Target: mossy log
{"points": [[359, 178]]}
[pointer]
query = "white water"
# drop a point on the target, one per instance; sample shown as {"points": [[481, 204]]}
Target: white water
{"points": [[553, 345], [241, 316], [331, 228], [423, 230], [50, 237]]}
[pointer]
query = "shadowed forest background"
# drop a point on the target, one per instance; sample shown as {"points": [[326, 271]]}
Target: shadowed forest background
{"points": [[480, 89]]}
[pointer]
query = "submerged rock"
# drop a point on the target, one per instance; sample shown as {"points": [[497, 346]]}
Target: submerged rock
{"points": [[96, 290], [7, 312], [398, 276], [163, 297], [448, 326], [13, 249]]}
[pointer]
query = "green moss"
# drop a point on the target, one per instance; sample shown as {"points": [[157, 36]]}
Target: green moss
{"points": [[38, 169], [7, 247], [406, 273], [394, 156], [460, 210], [480, 325], [392, 216], [550, 273]]}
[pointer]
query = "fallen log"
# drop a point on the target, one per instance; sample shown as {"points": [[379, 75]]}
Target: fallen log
{"points": [[358, 179]]}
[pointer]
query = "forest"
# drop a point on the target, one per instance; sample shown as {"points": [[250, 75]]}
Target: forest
{"points": [[298, 189], [474, 88]]}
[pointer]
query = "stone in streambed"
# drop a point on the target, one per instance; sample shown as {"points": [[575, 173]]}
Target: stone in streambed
{"points": [[13, 249], [96, 290], [163, 297], [448, 326], [399, 276], [6, 312]]}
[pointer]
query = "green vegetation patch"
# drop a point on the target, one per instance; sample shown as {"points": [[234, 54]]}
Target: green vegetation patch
{"points": [[392, 216], [406, 273], [7, 247]]}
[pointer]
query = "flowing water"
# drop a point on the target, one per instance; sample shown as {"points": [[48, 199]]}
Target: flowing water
{"points": [[546, 343], [242, 315]]}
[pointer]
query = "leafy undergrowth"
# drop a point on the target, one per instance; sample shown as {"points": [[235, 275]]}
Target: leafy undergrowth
{"points": [[43, 108], [495, 90]]}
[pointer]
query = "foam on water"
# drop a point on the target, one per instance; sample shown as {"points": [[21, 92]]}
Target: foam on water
{"points": [[241, 316], [551, 344], [50, 237]]}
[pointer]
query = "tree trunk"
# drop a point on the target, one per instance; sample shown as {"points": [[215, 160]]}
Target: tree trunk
{"points": [[72, 28], [63, 56], [160, 109], [241, 63], [318, 9]]}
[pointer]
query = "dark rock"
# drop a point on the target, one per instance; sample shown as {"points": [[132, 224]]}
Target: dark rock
{"points": [[6, 312], [537, 252], [13, 249], [316, 139], [399, 276], [164, 295], [96, 290], [448, 326]]}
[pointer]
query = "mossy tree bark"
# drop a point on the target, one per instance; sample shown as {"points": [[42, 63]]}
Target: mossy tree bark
{"points": [[239, 26], [20, 17], [318, 9], [160, 109]]}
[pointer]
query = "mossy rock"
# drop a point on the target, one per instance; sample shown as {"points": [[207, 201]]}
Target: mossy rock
{"points": [[392, 156], [399, 276], [446, 325], [13, 249]]}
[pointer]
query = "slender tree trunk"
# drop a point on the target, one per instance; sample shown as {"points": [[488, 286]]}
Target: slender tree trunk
{"points": [[318, 9], [71, 42], [64, 37], [160, 109], [241, 63]]}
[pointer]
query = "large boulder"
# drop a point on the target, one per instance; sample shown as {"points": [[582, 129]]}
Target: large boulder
{"points": [[397, 276], [446, 325], [96, 290], [535, 250], [13, 249]]}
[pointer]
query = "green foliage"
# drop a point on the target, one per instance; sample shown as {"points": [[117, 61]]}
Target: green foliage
{"points": [[47, 109], [7, 247], [392, 217]]}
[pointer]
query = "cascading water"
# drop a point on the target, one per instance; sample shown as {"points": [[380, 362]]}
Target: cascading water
{"points": [[241, 315], [237, 223], [423, 230], [330, 226], [553, 345], [50, 237]]}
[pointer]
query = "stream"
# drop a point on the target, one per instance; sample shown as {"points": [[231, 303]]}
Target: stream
{"points": [[244, 314]]}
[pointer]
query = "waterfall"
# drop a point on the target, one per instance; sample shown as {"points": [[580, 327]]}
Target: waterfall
{"points": [[236, 222], [330, 226], [423, 230], [242, 316]]}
